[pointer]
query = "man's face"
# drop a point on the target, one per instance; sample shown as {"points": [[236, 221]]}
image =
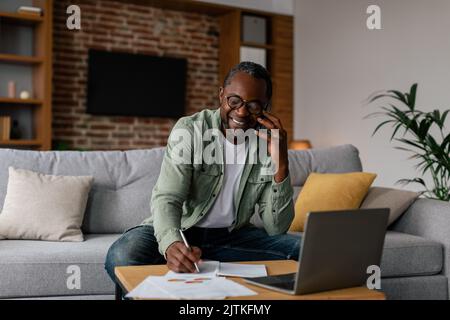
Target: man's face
{"points": [[248, 88]]}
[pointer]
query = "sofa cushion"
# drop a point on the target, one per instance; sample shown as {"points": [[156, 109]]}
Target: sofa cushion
{"points": [[123, 181], [415, 288], [44, 207], [338, 159], [408, 255], [330, 191], [40, 268]]}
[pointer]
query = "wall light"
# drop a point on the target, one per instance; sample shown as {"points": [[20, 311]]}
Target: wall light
{"points": [[300, 145]]}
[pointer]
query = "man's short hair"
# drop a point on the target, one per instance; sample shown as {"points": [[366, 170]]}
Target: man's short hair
{"points": [[255, 70]]}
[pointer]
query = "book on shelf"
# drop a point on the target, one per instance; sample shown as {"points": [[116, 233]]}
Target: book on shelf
{"points": [[30, 10], [5, 128]]}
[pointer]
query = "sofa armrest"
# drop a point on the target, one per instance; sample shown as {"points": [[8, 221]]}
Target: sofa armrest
{"points": [[429, 219]]}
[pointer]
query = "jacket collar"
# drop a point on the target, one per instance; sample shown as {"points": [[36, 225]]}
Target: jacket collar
{"points": [[216, 122]]}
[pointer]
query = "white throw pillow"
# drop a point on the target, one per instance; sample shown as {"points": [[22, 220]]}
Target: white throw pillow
{"points": [[44, 207]]}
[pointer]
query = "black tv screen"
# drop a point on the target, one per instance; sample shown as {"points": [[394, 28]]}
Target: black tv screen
{"points": [[135, 85]]}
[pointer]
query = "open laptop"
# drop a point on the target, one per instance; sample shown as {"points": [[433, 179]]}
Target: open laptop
{"points": [[337, 247]]}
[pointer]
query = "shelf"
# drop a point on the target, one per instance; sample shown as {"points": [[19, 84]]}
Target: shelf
{"points": [[21, 18], [20, 143], [14, 58], [20, 101], [35, 33], [257, 45]]}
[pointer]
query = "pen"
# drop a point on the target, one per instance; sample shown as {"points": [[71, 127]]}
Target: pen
{"points": [[189, 247]]}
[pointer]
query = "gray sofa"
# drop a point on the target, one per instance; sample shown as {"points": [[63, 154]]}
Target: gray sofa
{"points": [[415, 262]]}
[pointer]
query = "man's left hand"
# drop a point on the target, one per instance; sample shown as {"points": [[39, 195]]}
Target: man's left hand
{"points": [[279, 155]]}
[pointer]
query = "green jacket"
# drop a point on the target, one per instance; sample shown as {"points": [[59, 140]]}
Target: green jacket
{"points": [[186, 190]]}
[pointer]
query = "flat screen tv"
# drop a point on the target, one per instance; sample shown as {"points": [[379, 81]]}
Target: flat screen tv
{"points": [[125, 84]]}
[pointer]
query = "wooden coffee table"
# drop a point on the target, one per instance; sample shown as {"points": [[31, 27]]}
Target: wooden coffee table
{"points": [[129, 277]]}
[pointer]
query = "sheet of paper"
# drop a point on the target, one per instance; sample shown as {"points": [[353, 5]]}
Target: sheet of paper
{"points": [[242, 270], [234, 289], [166, 287], [208, 268], [145, 290], [188, 288]]}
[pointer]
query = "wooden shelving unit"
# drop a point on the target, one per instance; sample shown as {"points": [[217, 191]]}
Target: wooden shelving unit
{"points": [[278, 49], [21, 18], [257, 45], [40, 63], [22, 142], [19, 59], [4, 100]]}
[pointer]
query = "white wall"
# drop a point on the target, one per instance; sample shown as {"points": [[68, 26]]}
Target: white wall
{"points": [[339, 63], [275, 6]]}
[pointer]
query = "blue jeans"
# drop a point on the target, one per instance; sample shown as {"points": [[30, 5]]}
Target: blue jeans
{"points": [[138, 246]]}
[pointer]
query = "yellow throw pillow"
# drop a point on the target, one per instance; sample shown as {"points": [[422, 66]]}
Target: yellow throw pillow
{"points": [[330, 191]]}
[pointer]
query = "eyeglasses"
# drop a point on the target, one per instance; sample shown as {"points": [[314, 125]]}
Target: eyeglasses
{"points": [[253, 107]]}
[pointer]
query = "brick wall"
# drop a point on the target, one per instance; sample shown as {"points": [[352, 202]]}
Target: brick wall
{"points": [[118, 26]]}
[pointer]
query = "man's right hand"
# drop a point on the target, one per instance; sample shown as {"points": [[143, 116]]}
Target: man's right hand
{"points": [[181, 259]]}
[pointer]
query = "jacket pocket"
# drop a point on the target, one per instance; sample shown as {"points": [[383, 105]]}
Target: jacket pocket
{"points": [[204, 181], [210, 170], [258, 179]]}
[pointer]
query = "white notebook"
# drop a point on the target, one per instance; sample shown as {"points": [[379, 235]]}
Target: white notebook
{"points": [[225, 269], [242, 270]]}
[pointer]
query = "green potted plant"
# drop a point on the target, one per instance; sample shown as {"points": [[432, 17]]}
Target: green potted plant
{"points": [[421, 134]]}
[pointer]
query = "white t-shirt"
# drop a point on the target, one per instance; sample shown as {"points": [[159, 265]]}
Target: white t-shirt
{"points": [[222, 213]]}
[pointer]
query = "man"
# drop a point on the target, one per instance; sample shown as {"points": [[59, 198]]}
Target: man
{"points": [[212, 202]]}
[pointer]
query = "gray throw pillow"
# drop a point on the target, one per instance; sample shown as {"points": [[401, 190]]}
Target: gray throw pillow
{"points": [[396, 200]]}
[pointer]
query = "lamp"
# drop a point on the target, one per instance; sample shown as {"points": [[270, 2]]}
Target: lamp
{"points": [[300, 145]]}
